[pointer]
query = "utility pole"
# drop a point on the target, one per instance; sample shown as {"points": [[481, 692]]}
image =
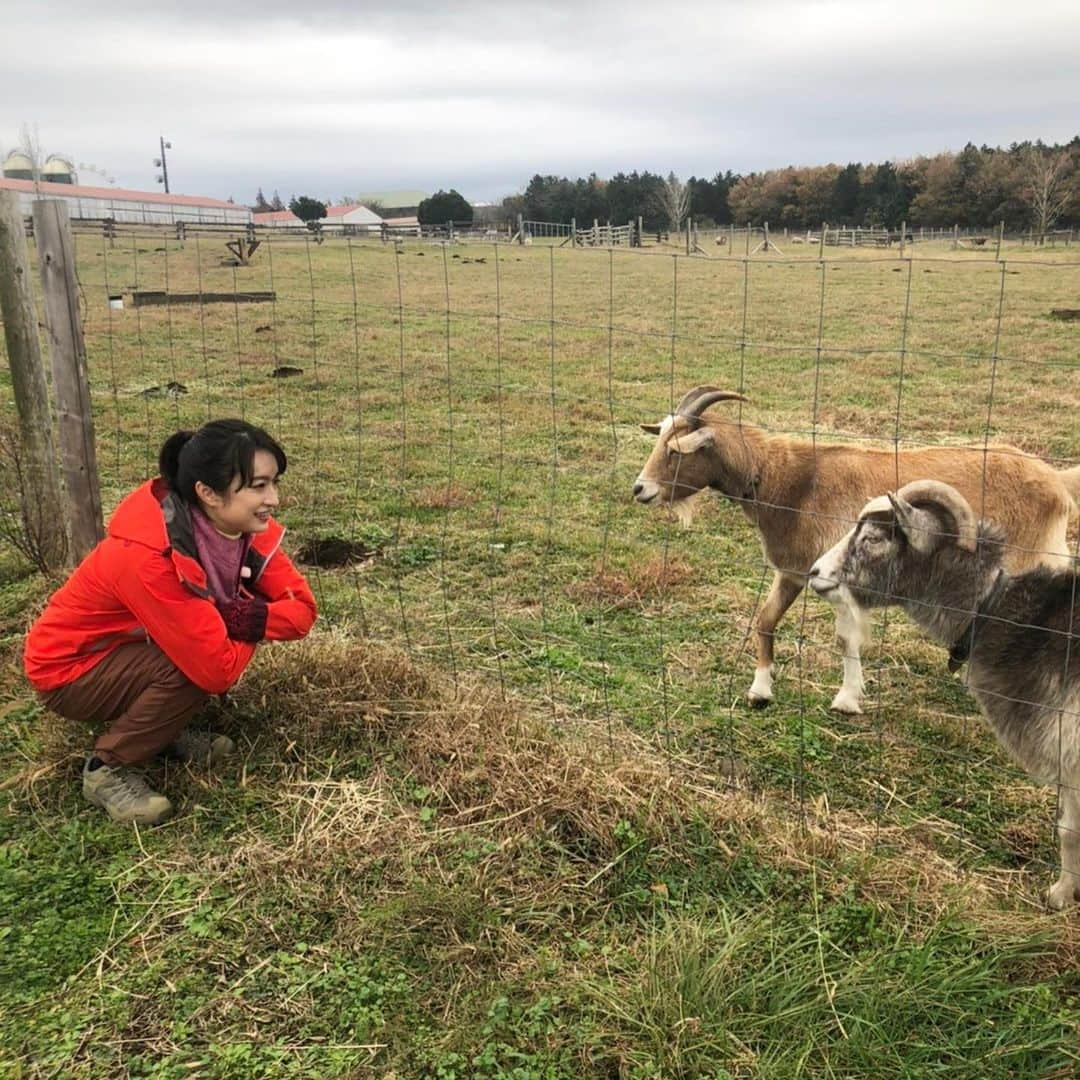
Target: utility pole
{"points": [[162, 164]]}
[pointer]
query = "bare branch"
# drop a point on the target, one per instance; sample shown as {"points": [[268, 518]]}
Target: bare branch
{"points": [[1049, 190], [675, 199], [23, 512]]}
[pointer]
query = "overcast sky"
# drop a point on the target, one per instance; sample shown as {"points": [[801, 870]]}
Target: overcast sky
{"points": [[331, 98]]}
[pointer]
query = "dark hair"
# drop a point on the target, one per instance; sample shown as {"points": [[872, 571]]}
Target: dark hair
{"points": [[216, 454]]}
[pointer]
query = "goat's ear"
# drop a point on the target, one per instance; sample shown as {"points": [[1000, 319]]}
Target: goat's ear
{"points": [[694, 440], [920, 527], [652, 429]]}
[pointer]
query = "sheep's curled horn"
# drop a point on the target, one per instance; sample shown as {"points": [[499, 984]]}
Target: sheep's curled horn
{"points": [[696, 401], [934, 491]]}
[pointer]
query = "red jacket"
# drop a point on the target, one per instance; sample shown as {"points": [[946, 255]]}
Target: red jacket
{"points": [[143, 582]]}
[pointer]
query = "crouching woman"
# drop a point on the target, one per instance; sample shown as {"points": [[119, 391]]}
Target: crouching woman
{"points": [[168, 609]]}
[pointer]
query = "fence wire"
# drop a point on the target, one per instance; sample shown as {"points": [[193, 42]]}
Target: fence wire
{"points": [[461, 424]]}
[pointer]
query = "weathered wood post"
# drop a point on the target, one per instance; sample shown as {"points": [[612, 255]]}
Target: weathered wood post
{"points": [[573, 232], [41, 505], [67, 349], [521, 228], [903, 237], [955, 236], [1001, 236]]}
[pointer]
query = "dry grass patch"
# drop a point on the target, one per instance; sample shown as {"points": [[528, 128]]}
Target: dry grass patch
{"points": [[467, 763], [643, 584], [444, 497]]}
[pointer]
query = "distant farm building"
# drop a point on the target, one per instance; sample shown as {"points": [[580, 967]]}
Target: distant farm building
{"points": [[124, 206], [57, 169], [394, 204], [277, 219], [17, 166], [348, 219], [353, 217]]}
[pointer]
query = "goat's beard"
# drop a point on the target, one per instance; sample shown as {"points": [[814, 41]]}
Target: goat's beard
{"points": [[684, 510]]}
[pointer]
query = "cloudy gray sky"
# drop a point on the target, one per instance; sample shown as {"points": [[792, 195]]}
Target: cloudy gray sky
{"points": [[327, 98]]}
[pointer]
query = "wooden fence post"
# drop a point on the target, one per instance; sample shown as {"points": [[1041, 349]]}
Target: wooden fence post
{"points": [[821, 240], [955, 236], [41, 505], [521, 228], [56, 264], [903, 237]]}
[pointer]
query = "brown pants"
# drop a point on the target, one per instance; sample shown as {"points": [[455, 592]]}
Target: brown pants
{"points": [[138, 694]]}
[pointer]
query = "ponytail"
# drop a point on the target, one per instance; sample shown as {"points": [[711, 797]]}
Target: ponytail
{"points": [[169, 458]]}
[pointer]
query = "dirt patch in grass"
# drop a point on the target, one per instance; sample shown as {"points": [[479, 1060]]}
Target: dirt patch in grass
{"points": [[333, 551]]}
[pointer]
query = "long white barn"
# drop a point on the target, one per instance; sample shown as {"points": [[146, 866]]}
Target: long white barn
{"points": [[128, 207]]}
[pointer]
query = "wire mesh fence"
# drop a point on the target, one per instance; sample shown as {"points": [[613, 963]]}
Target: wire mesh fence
{"points": [[462, 425]]}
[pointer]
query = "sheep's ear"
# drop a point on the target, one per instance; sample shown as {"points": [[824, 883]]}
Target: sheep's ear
{"points": [[652, 429], [918, 526], [695, 440]]}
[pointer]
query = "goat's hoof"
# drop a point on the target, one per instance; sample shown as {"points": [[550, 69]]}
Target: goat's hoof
{"points": [[846, 703], [757, 701], [1061, 895]]}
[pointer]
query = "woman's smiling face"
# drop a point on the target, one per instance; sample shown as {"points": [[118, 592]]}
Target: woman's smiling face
{"points": [[244, 509]]}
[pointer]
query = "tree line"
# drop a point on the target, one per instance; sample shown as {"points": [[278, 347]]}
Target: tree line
{"points": [[1027, 185]]}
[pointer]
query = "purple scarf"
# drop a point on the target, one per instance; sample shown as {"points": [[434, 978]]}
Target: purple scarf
{"points": [[221, 558]]}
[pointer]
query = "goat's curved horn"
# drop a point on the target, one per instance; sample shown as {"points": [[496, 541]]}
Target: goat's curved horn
{"points": [[696, 401], [934, 491]]}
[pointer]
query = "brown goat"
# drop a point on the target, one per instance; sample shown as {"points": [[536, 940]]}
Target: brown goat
{"points": [[803, 497]]}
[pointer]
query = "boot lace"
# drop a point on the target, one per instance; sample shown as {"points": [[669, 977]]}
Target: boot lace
{"points": [[127, 788]]}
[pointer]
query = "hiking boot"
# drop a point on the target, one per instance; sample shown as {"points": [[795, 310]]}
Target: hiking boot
{"points": [[201, 747], [124, 795]]}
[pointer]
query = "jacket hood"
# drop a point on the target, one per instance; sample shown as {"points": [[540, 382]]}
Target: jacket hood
{"points": [[140, 518], [154, 516]]}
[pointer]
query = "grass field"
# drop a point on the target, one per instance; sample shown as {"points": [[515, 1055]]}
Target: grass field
{"points": [[505, 813]]}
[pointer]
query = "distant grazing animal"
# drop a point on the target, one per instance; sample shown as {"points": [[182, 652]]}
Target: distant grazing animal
{"points": [[922, 548], [803, 497]]}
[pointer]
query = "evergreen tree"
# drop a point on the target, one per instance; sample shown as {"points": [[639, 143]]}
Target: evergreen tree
{"points": [[307, 209], [847, 191], [444, 207], [885, 198]]}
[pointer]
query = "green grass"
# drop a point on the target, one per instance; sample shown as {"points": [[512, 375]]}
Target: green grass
{"points": [[406, 876]]}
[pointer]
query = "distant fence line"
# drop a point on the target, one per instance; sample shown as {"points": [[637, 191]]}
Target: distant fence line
{"points": [[693, 237], [595, 235], [127, 214]]}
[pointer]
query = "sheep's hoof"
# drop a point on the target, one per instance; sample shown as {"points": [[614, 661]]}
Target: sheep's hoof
{"points": [[757, 701], [847, 703]]}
